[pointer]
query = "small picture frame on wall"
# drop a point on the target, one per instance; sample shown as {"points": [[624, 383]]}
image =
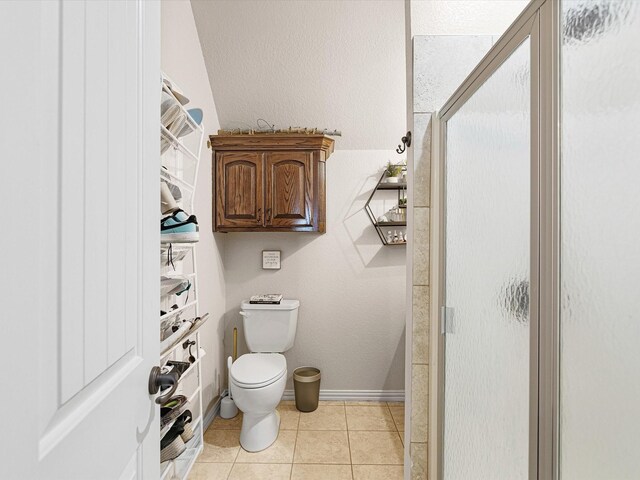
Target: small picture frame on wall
{"points": [[271, 259]]}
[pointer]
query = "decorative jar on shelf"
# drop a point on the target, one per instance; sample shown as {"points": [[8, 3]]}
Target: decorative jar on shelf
{"points": [[397, 214]]}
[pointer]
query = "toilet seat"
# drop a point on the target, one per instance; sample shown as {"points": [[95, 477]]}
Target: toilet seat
{"points": [[256, 370]]}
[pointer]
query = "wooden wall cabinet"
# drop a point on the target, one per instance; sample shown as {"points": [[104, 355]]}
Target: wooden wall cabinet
{"points": [[270, 182]]}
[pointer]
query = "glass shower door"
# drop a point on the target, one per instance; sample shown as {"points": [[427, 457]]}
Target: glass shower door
{"points": [[539, 256], [487, 277], [600, 232]]}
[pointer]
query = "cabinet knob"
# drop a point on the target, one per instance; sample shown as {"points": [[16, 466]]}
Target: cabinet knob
{"points": [[259, 214]]}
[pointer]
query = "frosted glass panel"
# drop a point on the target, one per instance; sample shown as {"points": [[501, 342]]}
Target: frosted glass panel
{"points": [[486, 422], [600, 246]]}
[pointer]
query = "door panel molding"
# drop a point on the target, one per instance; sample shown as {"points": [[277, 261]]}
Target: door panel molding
{"points": [[239, 172], [289, 189], [74, 411]]}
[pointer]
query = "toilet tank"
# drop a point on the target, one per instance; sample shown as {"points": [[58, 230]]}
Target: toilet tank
{"points": [[270, 328]]}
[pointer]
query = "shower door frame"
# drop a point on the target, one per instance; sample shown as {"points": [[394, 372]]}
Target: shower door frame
{"points": [[539, 22]]}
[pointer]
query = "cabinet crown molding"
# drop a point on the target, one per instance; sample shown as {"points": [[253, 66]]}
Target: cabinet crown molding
{"points": [[273, 141]]}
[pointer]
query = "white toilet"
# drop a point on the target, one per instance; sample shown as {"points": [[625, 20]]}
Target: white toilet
{"points": [[258, 378]]}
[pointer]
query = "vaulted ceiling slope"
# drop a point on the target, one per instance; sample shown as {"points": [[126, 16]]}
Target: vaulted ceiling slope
{"points": [[337, 64]]}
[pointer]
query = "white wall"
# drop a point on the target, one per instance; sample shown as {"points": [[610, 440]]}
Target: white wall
{"points": [[336, 64], [182, 60], [317, 63], [351, 288]]}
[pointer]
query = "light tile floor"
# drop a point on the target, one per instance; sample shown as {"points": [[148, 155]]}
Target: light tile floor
{"points": [[339, 441]]}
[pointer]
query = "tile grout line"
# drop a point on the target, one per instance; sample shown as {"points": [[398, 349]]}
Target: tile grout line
{"points": [[295, 444], [235, 458], [346, 421], [397, 426], [231, 470], [400, 435], [393, 419]]}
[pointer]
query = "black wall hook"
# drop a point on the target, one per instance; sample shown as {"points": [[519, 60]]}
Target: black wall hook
{"points": [[406, 142]]}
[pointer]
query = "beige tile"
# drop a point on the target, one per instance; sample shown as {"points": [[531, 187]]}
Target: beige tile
{"points": [[220, 423], [370, 418], [419, 461], [378, 472], [321, 402], [331, 402], [322, 447], [398, 417], [280, 452], [326, 417], [320, 472], [210, 471], [421, 142], [220, 446], [260, 471], [375, 448], [421, 315], [289, 417], [421, 246], [365, 403], [395, 404], [420, 403]]}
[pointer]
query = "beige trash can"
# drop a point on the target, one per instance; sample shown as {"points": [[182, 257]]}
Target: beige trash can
{"points": [[306, 384]]}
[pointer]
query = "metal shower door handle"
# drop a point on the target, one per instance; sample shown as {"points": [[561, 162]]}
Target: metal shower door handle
{"points": [[447, 324], [157, 379]]}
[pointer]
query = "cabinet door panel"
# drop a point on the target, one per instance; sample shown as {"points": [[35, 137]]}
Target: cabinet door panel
{"points": [[239, 190], [289, 195]]}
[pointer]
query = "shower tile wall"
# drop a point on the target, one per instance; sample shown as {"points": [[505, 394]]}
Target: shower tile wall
{"points": [[440, 65]]}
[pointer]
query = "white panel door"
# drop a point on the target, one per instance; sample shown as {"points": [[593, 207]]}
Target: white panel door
{"points": [[80, 238]]}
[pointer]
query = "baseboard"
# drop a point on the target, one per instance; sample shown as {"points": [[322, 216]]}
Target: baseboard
{"points": [[356, 395], [346, 395], [213, 411]]}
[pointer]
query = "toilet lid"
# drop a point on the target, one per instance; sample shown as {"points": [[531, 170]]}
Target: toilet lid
{"points": [[255, 370]]}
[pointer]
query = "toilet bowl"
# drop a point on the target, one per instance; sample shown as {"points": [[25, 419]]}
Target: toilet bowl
{"points": [[257, 385]]}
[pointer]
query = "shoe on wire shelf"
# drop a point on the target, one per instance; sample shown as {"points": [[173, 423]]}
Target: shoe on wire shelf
{"points": [[179, 228]]}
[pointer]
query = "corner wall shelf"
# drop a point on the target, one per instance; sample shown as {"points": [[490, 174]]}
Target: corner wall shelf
{"points": [[401, 188]]}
